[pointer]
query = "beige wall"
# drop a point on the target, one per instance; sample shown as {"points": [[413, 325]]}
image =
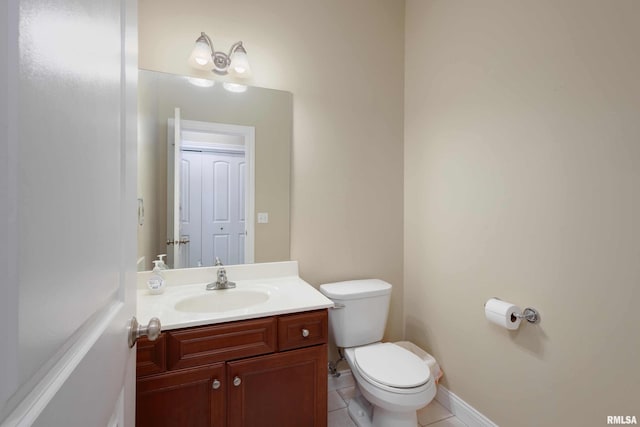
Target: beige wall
{"points": [[152, 233], [522, 178], [343, 63]]}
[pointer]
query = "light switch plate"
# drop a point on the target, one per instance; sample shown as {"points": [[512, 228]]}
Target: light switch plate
{"points": [[263, 217]]}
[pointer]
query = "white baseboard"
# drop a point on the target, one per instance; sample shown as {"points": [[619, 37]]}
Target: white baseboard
{"points": [[462, 410]]}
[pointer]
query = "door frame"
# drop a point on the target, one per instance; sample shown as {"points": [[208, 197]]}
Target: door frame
{"points": [[247, 133]]}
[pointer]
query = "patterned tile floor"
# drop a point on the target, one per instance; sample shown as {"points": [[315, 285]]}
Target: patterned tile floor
{"points": [[343, 389]]}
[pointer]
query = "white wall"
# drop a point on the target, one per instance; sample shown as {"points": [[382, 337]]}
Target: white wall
{"points": [[522, 170], [343, 63]]}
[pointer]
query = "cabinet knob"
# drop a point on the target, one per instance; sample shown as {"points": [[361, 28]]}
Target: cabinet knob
{"points": [[237, 381], [216, 384], [305, 333]]}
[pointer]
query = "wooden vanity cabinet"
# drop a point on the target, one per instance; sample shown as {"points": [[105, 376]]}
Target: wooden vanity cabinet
{"points": [[287, 389], [260, 372], [182, 398]]}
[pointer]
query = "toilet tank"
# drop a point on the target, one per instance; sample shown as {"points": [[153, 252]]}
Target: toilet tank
{"points": [[360, 315]]}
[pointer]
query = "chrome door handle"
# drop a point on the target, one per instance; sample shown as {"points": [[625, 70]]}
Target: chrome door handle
{"points": [[305, 333], [216, 384], [151, 331], [182, 241], [237, 381]]}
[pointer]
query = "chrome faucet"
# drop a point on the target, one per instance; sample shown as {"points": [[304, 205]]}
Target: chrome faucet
{"points": [[221, 282]]}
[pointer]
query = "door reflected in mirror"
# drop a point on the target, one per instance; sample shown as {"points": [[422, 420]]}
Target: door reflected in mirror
{"points": [[232, 154]]}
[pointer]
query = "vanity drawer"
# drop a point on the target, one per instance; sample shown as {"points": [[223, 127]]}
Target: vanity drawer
{"points": [[210, 344], [302, 330], [151, 356]]}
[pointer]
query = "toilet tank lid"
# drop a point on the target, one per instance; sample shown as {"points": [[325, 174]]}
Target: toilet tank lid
{"points": [[353, 289]]}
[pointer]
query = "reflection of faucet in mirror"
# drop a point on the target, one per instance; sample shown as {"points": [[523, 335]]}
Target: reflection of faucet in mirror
{"points": [[221, 282]]}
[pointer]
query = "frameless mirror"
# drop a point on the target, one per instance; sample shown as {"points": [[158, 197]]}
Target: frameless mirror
{"points": [[213, 171]]}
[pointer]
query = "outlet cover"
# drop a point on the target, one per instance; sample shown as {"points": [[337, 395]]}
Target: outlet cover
{"points": [[263, 217]]}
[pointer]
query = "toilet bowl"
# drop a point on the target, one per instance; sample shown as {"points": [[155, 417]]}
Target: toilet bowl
{"points": [[394, 381]]}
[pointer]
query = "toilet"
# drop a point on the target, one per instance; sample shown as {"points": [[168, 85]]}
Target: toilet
{"points": [[394, 381]]}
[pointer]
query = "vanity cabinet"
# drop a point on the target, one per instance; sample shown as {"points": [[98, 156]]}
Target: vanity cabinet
{"points": [[187, 397], [261, 372]]}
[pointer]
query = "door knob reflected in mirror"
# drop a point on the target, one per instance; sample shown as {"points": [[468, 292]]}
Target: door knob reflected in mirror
{"points": [[151, 331]]}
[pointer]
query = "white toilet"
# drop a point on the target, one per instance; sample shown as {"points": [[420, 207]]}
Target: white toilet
{"points": [[394, 381]]}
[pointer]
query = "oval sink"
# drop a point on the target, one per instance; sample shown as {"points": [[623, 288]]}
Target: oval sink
{"points": [[222, 300]]}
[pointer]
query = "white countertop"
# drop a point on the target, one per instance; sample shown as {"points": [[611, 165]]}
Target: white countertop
{"points": [[287, 292]]}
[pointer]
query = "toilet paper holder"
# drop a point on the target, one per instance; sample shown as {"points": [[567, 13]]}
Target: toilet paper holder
{"points": [[529, 314]]}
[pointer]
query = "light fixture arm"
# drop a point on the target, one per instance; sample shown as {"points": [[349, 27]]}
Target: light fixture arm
{"points": [[221, 60], [208, 40], [236, 45]]}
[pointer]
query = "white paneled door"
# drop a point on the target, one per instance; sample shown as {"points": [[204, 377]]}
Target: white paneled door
{"points": [[191, 206], [223, 207], [210, 196], [213, 206], [68, 87]]}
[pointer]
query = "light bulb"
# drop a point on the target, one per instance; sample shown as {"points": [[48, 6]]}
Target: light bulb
{"points": [[234, 87], [200, 82], [240, 63], [201, 54]]}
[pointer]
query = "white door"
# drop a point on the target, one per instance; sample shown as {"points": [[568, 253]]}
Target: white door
{"points": [[67, 262], [176, 255], [213, 199], [223, 207], [235, 245], [191, 207]]}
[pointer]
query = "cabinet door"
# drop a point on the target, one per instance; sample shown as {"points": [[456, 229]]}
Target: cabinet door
{"points": [[190, 397], [287, 389]]}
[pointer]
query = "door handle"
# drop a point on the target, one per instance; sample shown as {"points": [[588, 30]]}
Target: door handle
{"points": [[182, 241], [151, 331]]}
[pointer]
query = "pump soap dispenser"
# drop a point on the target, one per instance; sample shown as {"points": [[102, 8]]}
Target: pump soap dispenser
{"points": [[156, 280]]}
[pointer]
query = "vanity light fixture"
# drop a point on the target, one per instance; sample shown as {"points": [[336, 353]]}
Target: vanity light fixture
{"points": [[205, 57]]}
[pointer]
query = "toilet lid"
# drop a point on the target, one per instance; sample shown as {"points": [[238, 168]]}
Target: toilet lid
{"points": [[391, 365]]}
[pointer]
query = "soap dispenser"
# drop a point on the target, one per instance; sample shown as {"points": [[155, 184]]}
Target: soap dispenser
{"points": [[156, 282]]}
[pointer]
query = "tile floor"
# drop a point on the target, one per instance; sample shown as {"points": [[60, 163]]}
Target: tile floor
{"points": [[343, 389]]}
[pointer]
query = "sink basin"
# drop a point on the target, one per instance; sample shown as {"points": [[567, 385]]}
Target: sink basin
{"points": [[222, 300]]}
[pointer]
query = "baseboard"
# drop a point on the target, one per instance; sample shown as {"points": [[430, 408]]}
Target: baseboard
{"points": [[462, 410]]}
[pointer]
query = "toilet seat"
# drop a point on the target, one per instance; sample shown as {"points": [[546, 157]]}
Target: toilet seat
{"points": [[391, 366]]}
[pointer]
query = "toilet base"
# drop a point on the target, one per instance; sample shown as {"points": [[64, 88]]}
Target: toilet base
{"points": [[364, 414], [361, 411]]}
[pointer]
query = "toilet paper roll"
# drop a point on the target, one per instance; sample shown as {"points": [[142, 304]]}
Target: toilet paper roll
{"points": [[502, 313]]}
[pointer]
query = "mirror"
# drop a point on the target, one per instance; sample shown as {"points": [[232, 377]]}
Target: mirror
{"points": [[233, 160]]}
